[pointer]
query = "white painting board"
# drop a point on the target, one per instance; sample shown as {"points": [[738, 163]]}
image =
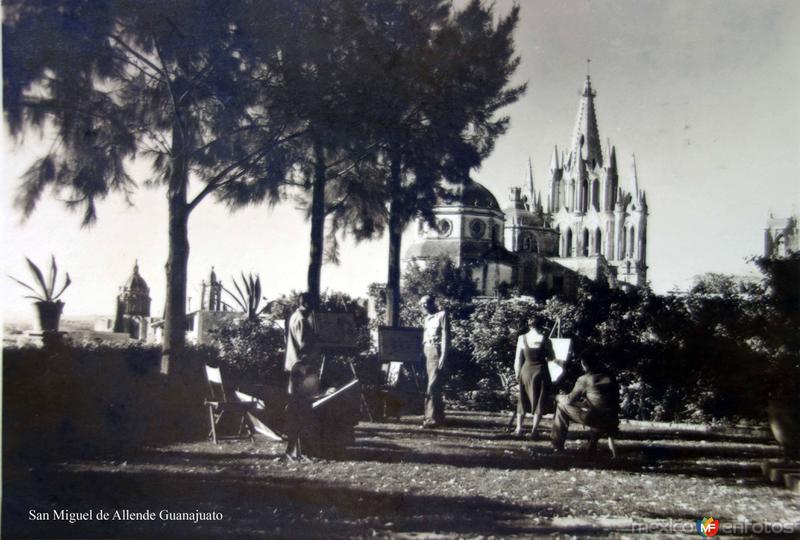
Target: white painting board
{"points": [[561, 348]]}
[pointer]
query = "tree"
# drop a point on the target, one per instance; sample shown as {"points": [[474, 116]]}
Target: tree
{"points": [[432, 81], [183, 84], [320, 68], [439, 277]]}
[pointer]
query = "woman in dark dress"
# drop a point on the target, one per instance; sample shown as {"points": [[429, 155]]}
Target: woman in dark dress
{"points": [[535, 387]]}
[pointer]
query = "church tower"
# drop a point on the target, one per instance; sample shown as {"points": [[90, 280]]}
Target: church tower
{"points": [[133, 305], [594, 216], [782, 236], [211, 294]]}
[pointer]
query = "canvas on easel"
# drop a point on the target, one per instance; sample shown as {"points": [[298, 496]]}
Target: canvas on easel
{"points": [[561, 350]]}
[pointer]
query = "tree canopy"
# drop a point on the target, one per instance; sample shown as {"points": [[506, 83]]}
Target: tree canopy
{"points": [[189, 86]]}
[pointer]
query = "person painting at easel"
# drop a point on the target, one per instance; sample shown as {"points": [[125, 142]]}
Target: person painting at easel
{"points": [[301, 341], [302, 363]]}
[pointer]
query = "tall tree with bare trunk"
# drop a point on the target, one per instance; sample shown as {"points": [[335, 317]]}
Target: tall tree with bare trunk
{"points": [[187, 85]]}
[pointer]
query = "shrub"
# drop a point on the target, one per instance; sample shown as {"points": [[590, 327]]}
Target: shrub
{"points": [[699, 356], [84, 398], [439, 277], [251, 350]]}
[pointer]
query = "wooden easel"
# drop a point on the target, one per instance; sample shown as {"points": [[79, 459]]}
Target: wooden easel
{"points": [[351, 364]]}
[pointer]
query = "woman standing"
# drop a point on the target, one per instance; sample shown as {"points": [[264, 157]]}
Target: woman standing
{"points": [[535, 386]]}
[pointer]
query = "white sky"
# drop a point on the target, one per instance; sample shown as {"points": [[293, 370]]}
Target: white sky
{"points": [[703, 92]]}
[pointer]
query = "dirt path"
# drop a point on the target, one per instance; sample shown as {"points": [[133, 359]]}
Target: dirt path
{"points": [[469, 479]]}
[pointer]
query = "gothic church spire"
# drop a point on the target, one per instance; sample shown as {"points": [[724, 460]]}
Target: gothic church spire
{"points": [[586, 137], [531, 191]]}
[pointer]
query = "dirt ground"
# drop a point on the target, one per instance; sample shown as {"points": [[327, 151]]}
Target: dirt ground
{"points": [[469, 479]]}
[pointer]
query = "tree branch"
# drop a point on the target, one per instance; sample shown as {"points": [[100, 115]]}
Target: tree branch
{"points": [[216, 181], [139, 55]]}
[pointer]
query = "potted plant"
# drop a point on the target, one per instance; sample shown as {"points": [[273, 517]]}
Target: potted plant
{"points": [[48, 305]]}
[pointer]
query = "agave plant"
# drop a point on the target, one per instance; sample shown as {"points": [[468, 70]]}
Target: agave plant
{"points": [[44, 290], [248, 296]]}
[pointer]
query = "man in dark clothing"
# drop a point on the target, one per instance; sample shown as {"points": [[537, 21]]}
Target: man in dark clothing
{"points": [[593, 402], [302, 425], [300, 340], [302, 362]]}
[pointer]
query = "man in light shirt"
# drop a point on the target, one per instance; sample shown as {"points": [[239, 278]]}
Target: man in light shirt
{"points": [[435, 342]]}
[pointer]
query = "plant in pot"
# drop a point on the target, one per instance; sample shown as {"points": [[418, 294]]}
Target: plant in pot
{"points": [[46, 295]]}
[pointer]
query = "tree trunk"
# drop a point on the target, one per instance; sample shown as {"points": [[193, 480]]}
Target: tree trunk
{"points": [[178, 260], [317, 226], [395, 241]]}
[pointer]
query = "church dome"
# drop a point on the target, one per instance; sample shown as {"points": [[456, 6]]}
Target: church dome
{"points": [[469, 193], [136, 283]]}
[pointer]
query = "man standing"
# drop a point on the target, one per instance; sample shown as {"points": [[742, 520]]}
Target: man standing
{"points": [[300, 342], [302, 427], [435, 342], [593, 402]]}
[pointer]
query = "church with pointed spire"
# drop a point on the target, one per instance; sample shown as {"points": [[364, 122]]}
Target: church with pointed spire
{"points": [[582, 225], [586, 203]]}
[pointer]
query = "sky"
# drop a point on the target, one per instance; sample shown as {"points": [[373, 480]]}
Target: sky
{"points": [[704, 93]]}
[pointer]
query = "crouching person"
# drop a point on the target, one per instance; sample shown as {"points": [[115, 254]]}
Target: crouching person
{"points": [[593, 402]]}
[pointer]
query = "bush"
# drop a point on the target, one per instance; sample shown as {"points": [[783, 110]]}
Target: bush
{"points": [[251, 351], [701, 356], [85, 398], [330, 302]]}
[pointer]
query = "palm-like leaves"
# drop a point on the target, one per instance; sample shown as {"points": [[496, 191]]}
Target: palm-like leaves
{"points": [[45, 290], [248, 296]]}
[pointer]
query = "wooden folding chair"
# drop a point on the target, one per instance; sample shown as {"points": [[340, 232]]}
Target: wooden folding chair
{"points": [[219, 406]]}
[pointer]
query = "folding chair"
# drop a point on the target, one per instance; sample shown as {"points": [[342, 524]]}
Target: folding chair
{"points": [[219, 406]]}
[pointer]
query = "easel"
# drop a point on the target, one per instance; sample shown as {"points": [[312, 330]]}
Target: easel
{"points": [[349, 360], [336, 332], [402, 345], [556, 328]]}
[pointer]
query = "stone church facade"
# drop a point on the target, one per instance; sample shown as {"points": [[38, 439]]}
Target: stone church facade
{"points": [[585, 225], [782, 236]]}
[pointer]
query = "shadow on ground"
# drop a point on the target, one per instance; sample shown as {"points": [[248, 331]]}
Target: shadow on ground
{"points": [[270, 506], [258, 497]]}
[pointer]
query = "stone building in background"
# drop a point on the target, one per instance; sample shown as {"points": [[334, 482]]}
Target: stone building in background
{"points": [[586, 225], [781, 237], [133, 306], [587, 205]]}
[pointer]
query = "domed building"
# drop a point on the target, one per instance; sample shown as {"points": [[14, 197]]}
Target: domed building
{"points": [[133, 306], [468, 230], [587, 228]]}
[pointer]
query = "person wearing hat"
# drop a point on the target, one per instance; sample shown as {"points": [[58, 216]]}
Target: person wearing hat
{"points": [[435, 343]]}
